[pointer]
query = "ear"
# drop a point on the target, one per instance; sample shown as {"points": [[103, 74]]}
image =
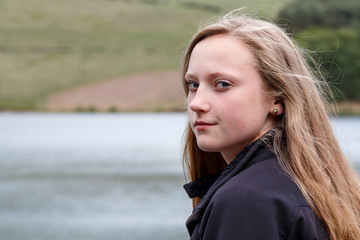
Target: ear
{"points": [[277, 108]]}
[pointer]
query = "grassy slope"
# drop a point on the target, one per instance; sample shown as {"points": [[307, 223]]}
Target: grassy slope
{"points": [[47, 46]]}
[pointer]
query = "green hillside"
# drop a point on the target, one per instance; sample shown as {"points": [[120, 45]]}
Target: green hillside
{"points": [[47, 46]]}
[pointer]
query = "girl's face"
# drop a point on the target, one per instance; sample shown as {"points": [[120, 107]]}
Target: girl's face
{"points": [[226, 103]]}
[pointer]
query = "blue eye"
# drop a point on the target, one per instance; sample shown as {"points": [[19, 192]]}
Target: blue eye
{"points": [[222, 84], [192, 85]]}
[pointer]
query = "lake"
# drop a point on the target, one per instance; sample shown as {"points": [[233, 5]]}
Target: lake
{"points": [[102, 176]]}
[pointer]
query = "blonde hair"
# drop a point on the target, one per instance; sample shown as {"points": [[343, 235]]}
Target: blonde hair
{"points": [[303, 139]]}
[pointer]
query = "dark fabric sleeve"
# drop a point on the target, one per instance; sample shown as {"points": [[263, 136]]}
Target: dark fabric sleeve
{"points": [[253, 216], [306, 226], [260, 203], [247, 215]]}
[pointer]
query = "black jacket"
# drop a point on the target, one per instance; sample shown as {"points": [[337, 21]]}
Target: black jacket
{"points": [[253, 198]]}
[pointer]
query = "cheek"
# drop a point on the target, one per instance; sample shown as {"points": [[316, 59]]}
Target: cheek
{"points": [[189, 99], [240, 117], [235, 122], [188, 105], [190, 113]]}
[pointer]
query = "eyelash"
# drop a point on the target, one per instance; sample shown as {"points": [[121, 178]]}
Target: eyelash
{"points": [[189, 83], [222, 82]]}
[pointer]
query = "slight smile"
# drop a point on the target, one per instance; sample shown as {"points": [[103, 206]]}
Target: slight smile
{"points": [[199, 125]]}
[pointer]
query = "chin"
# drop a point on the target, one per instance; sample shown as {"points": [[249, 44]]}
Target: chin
{"points": [[208, 147]]}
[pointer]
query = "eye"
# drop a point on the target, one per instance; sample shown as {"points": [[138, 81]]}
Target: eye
{"points": [[192, 85], [222, 84]]}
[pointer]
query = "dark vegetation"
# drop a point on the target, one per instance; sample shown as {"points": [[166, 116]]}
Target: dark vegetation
{"points": [[331, 29]]}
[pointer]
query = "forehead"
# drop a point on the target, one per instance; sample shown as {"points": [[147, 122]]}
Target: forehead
{"points": [[220, 52], [221, 43]]}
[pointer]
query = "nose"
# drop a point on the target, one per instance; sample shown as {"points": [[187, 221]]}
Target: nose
{"points": [[199, 102]]}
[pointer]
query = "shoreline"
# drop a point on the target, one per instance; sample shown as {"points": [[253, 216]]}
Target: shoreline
{"points": [[142, 92], [348, 108]]}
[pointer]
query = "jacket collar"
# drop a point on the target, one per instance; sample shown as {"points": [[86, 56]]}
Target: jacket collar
{"points": [[206, 187]]}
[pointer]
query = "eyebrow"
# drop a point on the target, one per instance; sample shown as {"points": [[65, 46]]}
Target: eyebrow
{"points": [[189, 75], [211, 75]]}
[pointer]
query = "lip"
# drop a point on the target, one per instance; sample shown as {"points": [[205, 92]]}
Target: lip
{"points": [[201, 125]]}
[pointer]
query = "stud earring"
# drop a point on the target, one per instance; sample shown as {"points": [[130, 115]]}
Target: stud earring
{"points": [[275, 111]]}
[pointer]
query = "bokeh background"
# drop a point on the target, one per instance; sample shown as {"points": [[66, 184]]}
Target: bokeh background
{"points": [[79, 55], [92, 108]]}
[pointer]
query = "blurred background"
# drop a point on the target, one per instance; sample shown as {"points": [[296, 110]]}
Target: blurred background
{"points": [[92, 109]]}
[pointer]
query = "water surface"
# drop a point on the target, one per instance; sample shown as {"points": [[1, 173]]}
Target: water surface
{"points": [[102, 176]]}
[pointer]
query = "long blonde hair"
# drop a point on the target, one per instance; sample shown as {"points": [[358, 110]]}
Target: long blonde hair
{"points": [[303, 139]]}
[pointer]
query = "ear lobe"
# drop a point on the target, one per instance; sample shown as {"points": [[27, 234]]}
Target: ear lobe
{"points": [[277, 108]]}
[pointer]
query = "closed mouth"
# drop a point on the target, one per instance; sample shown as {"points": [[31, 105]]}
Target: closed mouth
{"points": [[201, 124]]}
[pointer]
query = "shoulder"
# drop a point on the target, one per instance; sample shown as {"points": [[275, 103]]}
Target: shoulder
{"points": [[262, 196], [260, 202], [266, 182]]}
